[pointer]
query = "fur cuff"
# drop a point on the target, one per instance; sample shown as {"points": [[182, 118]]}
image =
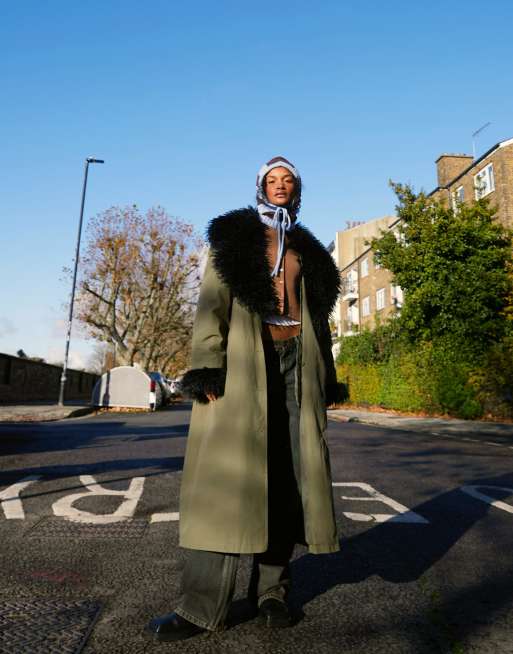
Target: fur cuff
{"points": [[198, 382], [336, 394]]}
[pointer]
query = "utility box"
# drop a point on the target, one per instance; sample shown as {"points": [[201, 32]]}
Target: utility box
{"points": [[129, 387]]}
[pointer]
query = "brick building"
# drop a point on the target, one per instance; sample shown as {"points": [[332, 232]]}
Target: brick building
{"points": [[462, 179], [367, 290]]}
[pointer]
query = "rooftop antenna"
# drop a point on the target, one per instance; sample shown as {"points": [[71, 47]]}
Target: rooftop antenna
{"points": [[474, 134]]}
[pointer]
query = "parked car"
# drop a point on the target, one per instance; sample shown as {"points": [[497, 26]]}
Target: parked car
{"points": [[162, 382], [174, 386]]}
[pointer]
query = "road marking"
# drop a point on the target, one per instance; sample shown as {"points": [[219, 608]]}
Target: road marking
{"points": [[492, 443], [65, 509], [10, 498], [473, 492], [165, 517], [403, 515]]}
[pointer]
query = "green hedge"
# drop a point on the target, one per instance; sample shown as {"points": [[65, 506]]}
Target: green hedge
{"points": [[440, 377]]}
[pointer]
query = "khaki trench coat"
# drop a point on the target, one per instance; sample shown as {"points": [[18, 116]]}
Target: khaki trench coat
{"points": [[223, 501]]}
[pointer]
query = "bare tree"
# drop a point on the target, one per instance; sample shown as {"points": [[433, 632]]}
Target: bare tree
{"points": [[138, 286], [96, 360]]}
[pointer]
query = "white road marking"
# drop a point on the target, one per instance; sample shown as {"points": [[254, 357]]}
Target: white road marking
{"points": [[403, 513], [473, 492], [165, 517], [65, 509], [10, 498]]}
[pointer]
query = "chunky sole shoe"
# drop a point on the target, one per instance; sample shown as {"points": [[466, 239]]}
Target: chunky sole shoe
{"points": [[173, 627], [274, 614]]}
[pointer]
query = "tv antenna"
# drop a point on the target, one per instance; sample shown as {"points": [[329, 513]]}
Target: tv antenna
{"points": [[474, 134]]}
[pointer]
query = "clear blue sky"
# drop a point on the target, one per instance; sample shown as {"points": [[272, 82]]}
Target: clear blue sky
{"points": [[185, 100]]}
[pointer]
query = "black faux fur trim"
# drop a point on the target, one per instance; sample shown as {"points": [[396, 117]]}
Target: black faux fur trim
{"points": [[335, 393], [197, 382], [238, 245]]}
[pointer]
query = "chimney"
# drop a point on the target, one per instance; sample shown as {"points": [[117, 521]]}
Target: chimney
{"points": [[449, 166]]}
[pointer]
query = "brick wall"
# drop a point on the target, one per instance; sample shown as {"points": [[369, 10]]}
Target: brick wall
{"points": [[449, 166], [369, 280], [23, 380]]}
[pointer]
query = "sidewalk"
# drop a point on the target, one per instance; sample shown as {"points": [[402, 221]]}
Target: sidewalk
{"points": [[438, 426], [42, 411]]}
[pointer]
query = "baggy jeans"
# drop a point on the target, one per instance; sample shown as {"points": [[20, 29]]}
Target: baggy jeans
{"points": [[208, 580]]}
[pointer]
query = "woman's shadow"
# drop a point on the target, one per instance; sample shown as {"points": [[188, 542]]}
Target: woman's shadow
{"points": [[403, 552]]}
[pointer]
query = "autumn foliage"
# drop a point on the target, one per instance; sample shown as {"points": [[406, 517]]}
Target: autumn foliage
{"points": [[138, 286]]}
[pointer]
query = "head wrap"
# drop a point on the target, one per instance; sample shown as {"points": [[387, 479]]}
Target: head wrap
{"points": [[279, 218]]}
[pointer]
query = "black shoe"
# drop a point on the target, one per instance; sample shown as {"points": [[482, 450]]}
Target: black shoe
{"points": [[173, 627], [274, 613]]}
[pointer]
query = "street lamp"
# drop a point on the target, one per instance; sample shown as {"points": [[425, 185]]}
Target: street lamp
{"points": [[89, 160]]}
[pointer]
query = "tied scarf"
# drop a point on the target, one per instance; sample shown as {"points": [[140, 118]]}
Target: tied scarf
{"points": [[282, 223]]}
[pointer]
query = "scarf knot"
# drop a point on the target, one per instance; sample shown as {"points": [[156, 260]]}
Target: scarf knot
{"points": [[282, 223]]}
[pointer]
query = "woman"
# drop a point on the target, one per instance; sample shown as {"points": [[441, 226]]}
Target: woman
{"points": [[256, 478]]}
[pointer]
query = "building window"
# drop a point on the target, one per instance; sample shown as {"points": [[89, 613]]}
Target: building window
{"points": [[484, 182], [364, 267], [366, 306], [380, 299], [458, 197], [396, 296]]}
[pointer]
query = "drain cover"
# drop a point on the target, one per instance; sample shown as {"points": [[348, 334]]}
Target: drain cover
{"points": [[61, 528], [46, 626]]}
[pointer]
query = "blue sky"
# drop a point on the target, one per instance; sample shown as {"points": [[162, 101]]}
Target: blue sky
{"points": [[184, 101]]}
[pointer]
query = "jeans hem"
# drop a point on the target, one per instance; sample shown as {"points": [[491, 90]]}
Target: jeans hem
{"points": [[197, 621]]}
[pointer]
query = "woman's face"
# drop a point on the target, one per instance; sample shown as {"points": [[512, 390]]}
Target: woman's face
{"points": [[279, 186]]}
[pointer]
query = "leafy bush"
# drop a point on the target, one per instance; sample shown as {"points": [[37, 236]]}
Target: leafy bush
{"points": [[436, 378]]}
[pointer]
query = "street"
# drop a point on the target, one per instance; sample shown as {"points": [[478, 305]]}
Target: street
{"points": [[89, 532]]}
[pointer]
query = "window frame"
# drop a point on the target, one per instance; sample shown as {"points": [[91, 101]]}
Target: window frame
{"points": [[380, 293], [487, 174]]}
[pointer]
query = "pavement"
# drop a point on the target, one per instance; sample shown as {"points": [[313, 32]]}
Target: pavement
{"points": [[434, 426], [42, 411]]}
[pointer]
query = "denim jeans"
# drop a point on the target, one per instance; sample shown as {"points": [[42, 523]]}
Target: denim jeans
{"points": [[208, 580]]}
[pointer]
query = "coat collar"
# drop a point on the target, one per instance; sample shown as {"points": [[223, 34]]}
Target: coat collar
{"points": [[238, 244]]}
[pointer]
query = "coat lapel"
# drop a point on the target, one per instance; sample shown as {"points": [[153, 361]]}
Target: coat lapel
{"points": [[238, 243]]}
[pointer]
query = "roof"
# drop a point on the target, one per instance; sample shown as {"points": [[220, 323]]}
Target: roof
{"points": [[497, 146]]}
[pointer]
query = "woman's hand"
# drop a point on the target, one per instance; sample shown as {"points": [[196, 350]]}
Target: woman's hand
{"points": [[211, 397]]}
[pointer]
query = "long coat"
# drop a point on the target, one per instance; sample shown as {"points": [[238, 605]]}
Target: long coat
{"points": [[223, 500]]}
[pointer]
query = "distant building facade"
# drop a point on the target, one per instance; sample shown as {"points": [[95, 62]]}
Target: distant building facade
{"points": [[368, 292], [359, 275]]}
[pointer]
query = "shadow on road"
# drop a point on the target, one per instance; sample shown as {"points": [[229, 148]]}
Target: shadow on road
{"points": [[402, 553], [68, 436]]}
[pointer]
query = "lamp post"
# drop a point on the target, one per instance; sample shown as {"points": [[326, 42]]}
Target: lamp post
{"points": [[88, 161]]}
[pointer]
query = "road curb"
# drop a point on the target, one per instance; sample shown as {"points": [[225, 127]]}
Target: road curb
{"points": [[342, 418], [45, 416]]}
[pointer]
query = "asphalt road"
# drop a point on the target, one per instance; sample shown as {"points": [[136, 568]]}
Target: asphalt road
{"points": [[426, 564]]}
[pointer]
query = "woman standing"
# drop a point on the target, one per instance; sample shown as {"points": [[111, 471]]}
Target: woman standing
{"points": [[256, 478]]}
